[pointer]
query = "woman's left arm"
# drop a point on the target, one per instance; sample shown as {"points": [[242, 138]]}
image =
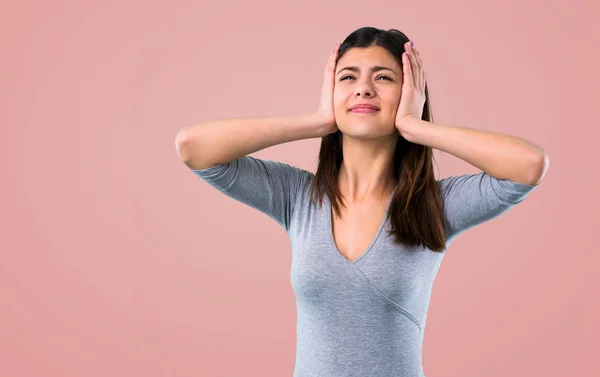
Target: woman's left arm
{"points": [[499, 155]]}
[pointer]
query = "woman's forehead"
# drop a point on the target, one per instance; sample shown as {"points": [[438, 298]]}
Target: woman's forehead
{"points": [[367, 56]]}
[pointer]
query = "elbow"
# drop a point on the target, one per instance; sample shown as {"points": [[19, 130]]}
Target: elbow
{"points": [[187, 150], [540, 167], [180, 144], [186, 145]]}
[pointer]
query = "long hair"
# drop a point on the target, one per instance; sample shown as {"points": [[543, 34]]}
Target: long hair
{"points": [[416, 211]]}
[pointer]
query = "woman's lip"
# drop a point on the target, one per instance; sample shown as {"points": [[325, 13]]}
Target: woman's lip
{"points": [[363, 110]]}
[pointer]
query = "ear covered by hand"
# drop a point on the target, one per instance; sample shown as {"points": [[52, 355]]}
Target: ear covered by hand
{"points": [[412, 99], [325, 112]]}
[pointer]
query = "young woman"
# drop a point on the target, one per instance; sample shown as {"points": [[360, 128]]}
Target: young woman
{"points": [[362, 294]]}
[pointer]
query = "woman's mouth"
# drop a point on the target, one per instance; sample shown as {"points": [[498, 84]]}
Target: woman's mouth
{"points": [[363, 110]]}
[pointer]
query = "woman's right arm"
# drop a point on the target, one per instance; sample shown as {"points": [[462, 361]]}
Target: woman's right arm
{"points": [[220, 141], [218, 152]]}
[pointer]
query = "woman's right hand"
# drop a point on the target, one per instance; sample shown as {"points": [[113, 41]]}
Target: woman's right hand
{"points": [[325, 112]]}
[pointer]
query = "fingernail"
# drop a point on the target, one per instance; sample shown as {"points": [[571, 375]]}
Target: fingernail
{"points": [[411, 43]]}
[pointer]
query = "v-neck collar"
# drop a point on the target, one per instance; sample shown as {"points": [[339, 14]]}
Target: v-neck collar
{"points": [[329, 210]]}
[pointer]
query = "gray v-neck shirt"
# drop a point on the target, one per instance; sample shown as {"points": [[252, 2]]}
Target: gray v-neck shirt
{"points": [[366, 317]]}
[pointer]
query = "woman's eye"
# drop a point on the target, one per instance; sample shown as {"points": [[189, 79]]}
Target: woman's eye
{"points": [[387, 78]]}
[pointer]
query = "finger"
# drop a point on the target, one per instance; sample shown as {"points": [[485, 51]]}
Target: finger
{"points": [[421, 80], [414, 66], [334, 62], [416, 54], [330, 69], [331, 63], [328, 65], [333, 54], [336, 52], [407, 69]]}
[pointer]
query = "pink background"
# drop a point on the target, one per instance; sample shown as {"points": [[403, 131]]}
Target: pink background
{"points": [[117, 261]]}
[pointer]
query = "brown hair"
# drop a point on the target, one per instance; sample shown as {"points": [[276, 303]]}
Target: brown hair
{"points": [[416, 211]]}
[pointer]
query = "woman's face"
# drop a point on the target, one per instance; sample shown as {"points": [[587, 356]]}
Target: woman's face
{"points": [[365, 83]]}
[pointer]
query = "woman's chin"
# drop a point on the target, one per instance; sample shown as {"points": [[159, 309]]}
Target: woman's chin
{"points": [[367, 130]]}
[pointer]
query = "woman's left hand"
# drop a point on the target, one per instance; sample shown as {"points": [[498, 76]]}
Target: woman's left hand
{"points": [[412, 98]]}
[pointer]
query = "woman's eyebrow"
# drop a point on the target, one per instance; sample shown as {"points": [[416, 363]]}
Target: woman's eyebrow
{"points": [[375, 68]]}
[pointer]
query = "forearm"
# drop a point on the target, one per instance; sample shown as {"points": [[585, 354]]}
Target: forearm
{"points": [[219, 141], [501, 156]]}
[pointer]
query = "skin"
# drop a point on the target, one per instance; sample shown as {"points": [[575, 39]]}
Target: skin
{"points": [[369, 139]]}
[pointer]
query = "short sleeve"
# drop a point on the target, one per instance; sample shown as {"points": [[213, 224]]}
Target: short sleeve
{"points": [[268, 186], [473, 199]]}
